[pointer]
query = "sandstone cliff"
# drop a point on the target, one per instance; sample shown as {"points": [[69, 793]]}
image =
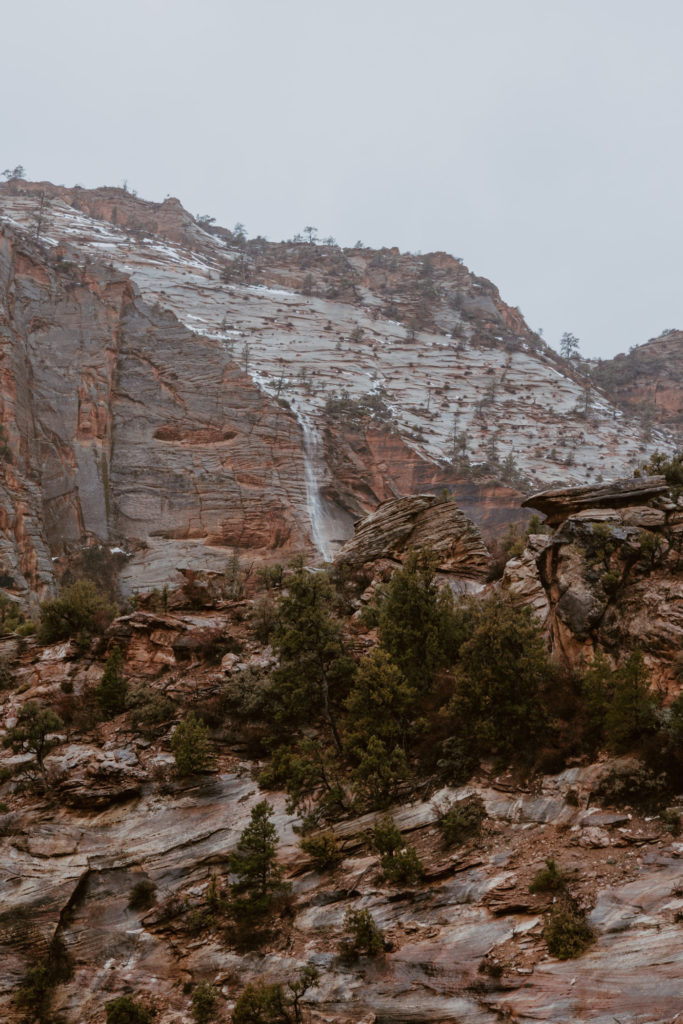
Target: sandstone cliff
{"points": [[181, 393]]}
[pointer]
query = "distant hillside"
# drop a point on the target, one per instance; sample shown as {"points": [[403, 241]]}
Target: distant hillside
{"points": [[648, 381]]}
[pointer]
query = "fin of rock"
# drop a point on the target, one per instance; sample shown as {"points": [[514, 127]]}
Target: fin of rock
{"points": [[420, 521]]}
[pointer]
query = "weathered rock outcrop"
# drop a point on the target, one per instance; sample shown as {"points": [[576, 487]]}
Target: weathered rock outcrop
{"points": [[420, 522], [562, 502], [609, 576]]}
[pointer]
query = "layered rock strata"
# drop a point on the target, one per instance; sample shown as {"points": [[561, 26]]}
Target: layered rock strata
{"points": [[420, 522]]}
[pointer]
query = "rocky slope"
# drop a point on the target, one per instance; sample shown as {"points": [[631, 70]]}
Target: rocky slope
{"points": [[116, 815], [466, 943], [178, 392]]}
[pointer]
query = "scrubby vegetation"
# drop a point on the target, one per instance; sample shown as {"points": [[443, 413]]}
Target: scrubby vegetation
{"points": [[443, 687], [126, 1010], [462, 821], [361, 937], [34, 733], [143, 895], [548, 879], [323, 849], [264, 1002], [567, 933], [112, 690], [670, 466], [190, 745], [12, 618], [81, 612], [400, 862]]}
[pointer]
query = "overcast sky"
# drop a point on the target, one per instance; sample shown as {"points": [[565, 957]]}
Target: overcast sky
{"points": [[539, 140]]}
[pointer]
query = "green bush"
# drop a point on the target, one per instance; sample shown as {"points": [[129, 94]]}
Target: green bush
{"points": [[82, 611], [33, 732], [143, 895], [458, 761], [400, 863], [312, 775], [672, 820], [262, 1002], [125, 1010], [379, 773], [632, 783], [462, 821], [323, 849], [113, 688], [567, 934], [204, 999], [190, 746], [11, 616], [548, 879], [151, 711], [403, 867], [362, 936]]}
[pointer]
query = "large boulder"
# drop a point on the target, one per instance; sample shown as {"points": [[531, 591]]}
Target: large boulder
{"points": [[420, 521]]}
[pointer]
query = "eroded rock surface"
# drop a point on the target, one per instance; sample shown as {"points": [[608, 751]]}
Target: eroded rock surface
{"points": [[610, 575], [557, 505], [420, 522]]}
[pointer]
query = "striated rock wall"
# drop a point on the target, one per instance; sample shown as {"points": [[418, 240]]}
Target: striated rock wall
{"points": [[126, 427], [420, 522]]}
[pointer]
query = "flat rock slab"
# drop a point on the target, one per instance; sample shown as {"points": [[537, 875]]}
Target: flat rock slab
{"points": [[560, 503]]}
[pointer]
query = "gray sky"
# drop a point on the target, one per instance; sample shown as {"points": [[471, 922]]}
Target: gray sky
{"points": [[539, 140]]}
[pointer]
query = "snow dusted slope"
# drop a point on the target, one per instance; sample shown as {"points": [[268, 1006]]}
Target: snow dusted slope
{"points": [[468, 385]]}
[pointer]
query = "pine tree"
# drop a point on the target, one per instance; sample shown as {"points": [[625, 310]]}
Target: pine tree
{"points": [[415, 621], [190, 745], [111, 692], [32, 732], [314, 668], [258, 875], [503, 666], [381, 703], [632, 712]]}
